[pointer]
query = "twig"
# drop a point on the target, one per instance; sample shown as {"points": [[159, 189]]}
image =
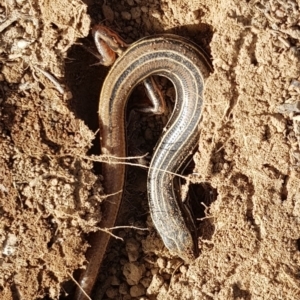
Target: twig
{"points": [[9, 21], [79, 286], [57, 85], [108, 230], [107, 159]]}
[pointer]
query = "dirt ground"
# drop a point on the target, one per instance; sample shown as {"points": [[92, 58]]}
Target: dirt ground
{"points": [[247, 162]]}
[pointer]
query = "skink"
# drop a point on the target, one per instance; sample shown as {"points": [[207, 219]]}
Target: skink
{"points": [[187, 68]]}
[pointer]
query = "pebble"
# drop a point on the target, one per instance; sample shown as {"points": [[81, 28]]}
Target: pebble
{"points": [[123, 261], [138, 20], [155, 14], [278, 122], [174, 263], [133, 272], [111, 293], [167, 276], [135, 12], [115, 281], [146, 281], [161, 263], [123, 289], [108, 13], [289, 107], [133, 256], [156, 283], [183, 269], [137, 290], [53, 182], [167, 271], [144, 9], [132, 248], [163, 291], [154, 271], [148, 135], [126, 15]]}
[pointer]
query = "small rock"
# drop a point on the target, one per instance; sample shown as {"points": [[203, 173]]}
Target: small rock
{"points": [[135, 12], [144, 9], [196, 14], [295, 84], [166, 271], [108, 13], [146, 281], [123, 261], [138, 20], [126, 15], [133, 256], [123, 289], [115, 281], [148, 134], [161, 263], [289, 107], [132, 248], [154, 271], [133, 272], [163, 291], [155, 14], [174, 263], [111, 293], [155, 285], [183, 269], [53, 181], [167, 276], [137, 290], [278, 122]]}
